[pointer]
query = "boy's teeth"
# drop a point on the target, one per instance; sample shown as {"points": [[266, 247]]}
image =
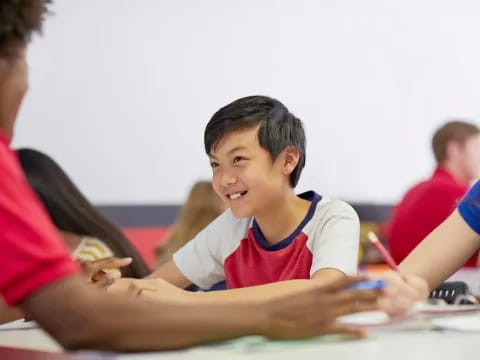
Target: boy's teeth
{"points": [[235, 196]]}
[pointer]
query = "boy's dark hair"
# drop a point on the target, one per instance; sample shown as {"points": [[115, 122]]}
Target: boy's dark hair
{"points": [[18, 20], [278, 128], [458, 131]]}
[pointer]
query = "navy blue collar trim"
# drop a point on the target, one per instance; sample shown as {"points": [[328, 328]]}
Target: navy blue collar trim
{"points": [[311, 196]]}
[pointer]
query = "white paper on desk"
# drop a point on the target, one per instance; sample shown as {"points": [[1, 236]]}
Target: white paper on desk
{"points": [[366, 318], [426, 308], [468, 323], [379, 318], [18, 325]]}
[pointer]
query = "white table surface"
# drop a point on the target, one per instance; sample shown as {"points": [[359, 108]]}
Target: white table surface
{"points": [[380, 344]]}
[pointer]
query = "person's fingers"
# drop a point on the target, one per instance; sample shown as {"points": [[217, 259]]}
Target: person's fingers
{"points": [[138, 287], [150, 287], [342, 283], [336, 328], [102, 275], [114, 274], [395, 306], [399, 295], [353, 301], [98, 276], [146, 293], [151, 296], [400, 288], [395, 281], [90, 267], [112, 262], [133, 289], [349, 295], [119, 286], [397, 287], [106, 278], [353, 308]]}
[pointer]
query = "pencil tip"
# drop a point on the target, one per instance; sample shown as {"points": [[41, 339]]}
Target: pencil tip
{"points": [[372, 237]]}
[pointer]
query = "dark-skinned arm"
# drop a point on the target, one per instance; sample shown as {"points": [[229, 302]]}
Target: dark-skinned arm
{"points": [[81, 316]]}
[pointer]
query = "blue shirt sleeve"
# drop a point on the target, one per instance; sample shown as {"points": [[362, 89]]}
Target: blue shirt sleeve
{"points": [[469, 207]]}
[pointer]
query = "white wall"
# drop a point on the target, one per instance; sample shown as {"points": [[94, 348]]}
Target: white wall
{"points": [[122, 89]]}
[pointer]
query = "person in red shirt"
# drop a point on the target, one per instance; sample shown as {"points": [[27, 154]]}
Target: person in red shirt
{"points": [[38, 275], [456, 147]]}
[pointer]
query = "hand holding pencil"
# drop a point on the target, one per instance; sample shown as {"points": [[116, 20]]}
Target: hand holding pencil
{"points": [[402, 291]]}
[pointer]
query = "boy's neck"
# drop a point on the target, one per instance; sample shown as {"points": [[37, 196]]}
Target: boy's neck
{"points": [[283, 218], [457, 172]]}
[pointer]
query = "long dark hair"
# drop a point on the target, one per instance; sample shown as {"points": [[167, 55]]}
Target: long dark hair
{"points": [[71, 212]]}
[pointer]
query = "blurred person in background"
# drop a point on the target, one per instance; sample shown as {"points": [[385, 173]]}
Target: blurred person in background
{"points": [[456, 147], [201, 207], [87, 233]]}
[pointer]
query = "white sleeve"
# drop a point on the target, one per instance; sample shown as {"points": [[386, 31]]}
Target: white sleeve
{"points": [[201, 259], [335, 240]]}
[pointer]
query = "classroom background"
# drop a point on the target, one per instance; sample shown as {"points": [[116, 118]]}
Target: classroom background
{"points": [[124, 90]]}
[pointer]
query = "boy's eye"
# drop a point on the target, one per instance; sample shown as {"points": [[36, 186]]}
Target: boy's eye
{"points": [[236, 159], [214, 164]]}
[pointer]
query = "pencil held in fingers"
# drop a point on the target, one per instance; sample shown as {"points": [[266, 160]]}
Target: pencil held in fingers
{"points": [[385, 254]]}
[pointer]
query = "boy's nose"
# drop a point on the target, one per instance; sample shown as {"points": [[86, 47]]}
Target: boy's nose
{"points": [[228, 179]]}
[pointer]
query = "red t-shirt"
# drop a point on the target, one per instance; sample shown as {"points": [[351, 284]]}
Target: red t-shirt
{"points": [[422, 209], [32, 255]]}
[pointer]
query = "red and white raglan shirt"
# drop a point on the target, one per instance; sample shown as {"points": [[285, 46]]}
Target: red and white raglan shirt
{"points": [[32, 255], [235, 250]]}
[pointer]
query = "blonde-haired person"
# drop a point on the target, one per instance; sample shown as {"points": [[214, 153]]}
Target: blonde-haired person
{"points": [[201, 207]]}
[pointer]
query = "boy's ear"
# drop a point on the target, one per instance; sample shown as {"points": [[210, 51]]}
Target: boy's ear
{"points": [[291, 156]]}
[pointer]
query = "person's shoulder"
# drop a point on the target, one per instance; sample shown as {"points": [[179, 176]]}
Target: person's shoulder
{"points": [[418, 188], [332, 217], [469, 206], [444, 188], [436, 186], [328, 209], [474, 192], [335, 206]]}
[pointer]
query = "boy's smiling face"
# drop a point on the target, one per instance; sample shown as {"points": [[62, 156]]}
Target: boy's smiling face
{"points": [[244, 175]]}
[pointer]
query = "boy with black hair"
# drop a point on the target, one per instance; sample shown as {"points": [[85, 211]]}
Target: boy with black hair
{"points": [[256, 148], [38, 274]]}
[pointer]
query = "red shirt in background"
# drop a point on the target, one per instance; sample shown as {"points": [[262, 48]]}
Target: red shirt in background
{"points": [[421, 210], [32, 255]]}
